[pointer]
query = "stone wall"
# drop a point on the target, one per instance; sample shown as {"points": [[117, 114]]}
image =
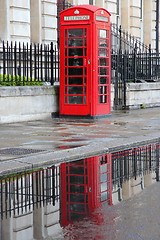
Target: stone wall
{"points": [[33, 103], [27, 103], [143, 95]]}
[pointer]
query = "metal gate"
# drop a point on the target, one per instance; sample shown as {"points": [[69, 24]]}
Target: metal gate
{"points": [[118, 69]]}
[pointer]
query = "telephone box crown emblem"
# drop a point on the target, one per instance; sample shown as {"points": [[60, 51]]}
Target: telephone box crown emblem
{"points": [[76, 11]]}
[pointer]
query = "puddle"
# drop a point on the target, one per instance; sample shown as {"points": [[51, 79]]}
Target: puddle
{"points": [[74, 140], [68, 146], [81, 199]]}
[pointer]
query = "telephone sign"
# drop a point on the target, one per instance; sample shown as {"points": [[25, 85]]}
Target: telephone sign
{"points": [[85, 61]]}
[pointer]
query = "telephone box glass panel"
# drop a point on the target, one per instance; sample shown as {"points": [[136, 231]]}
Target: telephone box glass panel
{"points": [[75, 64]]}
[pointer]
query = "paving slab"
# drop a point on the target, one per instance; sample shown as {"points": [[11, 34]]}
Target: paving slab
{"points": [[50, 141]]}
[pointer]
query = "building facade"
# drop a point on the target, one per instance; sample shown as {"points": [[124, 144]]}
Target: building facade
{"points": [[28, 21], [36, 20]]}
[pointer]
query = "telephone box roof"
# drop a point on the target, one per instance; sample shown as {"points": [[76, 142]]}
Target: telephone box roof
{"points": [[90, 8]]}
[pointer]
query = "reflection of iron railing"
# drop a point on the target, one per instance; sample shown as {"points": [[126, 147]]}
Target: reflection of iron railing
{"points": [[135, 162], [24, 192]]}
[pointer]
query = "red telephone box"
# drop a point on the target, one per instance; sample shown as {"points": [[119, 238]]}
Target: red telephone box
{"points": [[85, 61], [85, 185]]}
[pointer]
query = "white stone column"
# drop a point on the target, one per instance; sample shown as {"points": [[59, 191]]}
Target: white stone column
{"points": [[7, 228], [100, 3], [125, 15], [49, 21], [35, 21], [19, 16], [38, 223], [4, 20]]}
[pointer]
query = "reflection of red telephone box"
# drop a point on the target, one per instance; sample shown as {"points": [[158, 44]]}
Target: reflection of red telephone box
{"points": [[85, 61], [85, 185]]}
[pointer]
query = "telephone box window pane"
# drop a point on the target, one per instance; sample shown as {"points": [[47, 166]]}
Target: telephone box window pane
{"points": [[66, 71], [102, 90], [75, 216], [75, 42], [103, 168], [103, 43], [75, 51], [75, 32], [76, 188], [102, 33], [103, 178], [102, 99], [75, 100], [104, 187], [75, 62], [102, 80], [77, 207], [75, 90], [102, 52], [75, 71], [75, 81], [77, 198], [104, 196], [103, 62], [77, 179], [102, 71]]}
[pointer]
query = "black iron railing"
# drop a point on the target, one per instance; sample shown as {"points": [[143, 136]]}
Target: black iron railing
{"points": [[122, 40], [21, 64], [135, 66]]}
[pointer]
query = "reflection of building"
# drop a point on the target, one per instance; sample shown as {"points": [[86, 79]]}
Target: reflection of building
{"points": [[30, 205], [85, 185]]}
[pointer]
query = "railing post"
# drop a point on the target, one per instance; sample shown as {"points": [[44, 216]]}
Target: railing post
{"points": [[157, 162], [124, 79], [120, 37], [51, 52], [149, 63], [135, 63]]}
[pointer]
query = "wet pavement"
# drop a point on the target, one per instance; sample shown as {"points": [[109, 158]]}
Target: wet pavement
{"points": [[134, 219], [27, 145]]}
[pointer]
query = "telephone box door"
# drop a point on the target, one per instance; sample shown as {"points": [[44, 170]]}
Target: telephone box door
{"points": [[75, 71], [103, 71]]}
